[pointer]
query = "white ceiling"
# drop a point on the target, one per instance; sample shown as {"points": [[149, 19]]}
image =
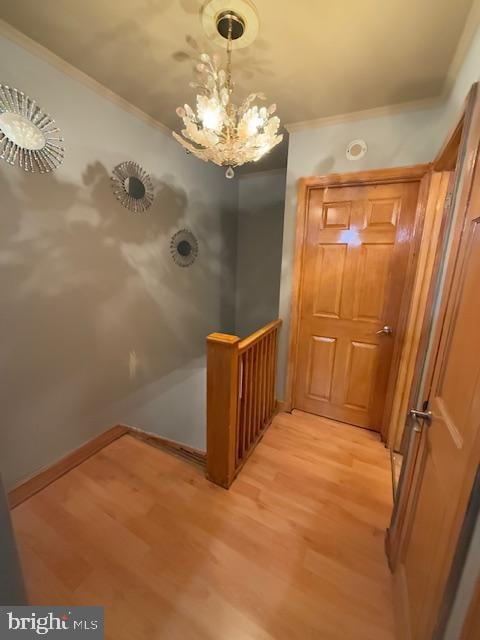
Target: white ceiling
{"points": [[314, 58]]}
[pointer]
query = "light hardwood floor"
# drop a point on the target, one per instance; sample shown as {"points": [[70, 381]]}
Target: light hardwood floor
{"points": [[294, 550]]}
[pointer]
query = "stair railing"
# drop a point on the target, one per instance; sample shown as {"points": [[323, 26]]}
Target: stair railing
{"points": [[241, 381]]}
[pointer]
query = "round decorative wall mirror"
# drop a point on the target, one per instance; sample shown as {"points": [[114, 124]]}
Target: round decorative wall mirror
{"points": [[135, 188], [132, 186], [184, 248], [28, 136]]}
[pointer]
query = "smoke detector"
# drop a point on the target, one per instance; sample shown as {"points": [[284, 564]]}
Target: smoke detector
{"points": [[356, 149], [215, 18]]}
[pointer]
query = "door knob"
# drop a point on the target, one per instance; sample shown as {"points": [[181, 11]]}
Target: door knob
{"points": [[386, 331], [423, 415]]}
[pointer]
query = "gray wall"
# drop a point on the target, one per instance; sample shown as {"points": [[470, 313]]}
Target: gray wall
{"points": [[261, 202], [12, 589], [98, 325]]}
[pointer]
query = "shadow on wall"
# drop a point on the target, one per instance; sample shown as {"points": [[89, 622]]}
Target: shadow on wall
{"points": [[259, 253], [95, 313], [324, 167]]}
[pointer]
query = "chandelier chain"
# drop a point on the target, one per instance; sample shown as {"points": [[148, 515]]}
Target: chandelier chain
{"points": [[229, 54], [229, 74]]}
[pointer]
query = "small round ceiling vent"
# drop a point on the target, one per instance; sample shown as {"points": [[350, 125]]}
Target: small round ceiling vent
{"points": [[356, 149]]}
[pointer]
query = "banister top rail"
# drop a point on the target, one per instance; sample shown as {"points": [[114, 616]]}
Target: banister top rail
{"points": [[252, 339], [223, 337]]}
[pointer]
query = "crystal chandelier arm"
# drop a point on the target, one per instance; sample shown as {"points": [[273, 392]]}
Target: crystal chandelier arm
{"points": [[189, 147]]}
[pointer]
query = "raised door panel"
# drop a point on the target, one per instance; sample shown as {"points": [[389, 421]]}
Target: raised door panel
{"points": [[320, 367], [383, 213], [336, 215], [328, 279], [362, 360], [371, 282]]}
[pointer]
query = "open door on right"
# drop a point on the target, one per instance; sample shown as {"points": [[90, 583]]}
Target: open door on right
{"points": [[446, 419]]}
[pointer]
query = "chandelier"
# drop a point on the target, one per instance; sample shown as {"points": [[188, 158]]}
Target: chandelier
{"points": [[220, 131]]}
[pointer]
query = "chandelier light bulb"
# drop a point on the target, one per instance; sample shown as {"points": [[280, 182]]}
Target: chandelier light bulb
{"points": [[254, 124], [211, 119]]}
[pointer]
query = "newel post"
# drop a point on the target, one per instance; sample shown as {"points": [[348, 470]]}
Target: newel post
{"points": [[222, 406]]}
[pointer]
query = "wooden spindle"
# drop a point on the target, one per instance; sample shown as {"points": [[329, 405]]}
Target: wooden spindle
{"points": [[274, 369], [272, 381], [272, 373], [251, 387], [264, 388], [241, 408], [256, 391]]}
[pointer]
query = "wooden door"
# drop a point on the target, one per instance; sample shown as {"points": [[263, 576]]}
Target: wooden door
{"points": [[449, 452], [356, 253]]}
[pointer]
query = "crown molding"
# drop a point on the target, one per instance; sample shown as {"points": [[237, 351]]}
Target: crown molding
{"points": [[38, 50], [472, 25], [376, 112]]}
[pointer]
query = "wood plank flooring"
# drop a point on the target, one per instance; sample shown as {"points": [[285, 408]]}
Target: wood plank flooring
{"points": [[294, 550]]}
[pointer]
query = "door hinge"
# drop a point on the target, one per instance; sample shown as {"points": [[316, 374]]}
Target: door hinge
{"points": [[448, 200]]}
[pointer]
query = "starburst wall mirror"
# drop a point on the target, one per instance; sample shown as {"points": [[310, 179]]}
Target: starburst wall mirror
{"points": [[28, 135], [184, 248], [132, 186]]}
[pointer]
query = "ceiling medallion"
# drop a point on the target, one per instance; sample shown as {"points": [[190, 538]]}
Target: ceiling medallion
{"points": [[220, 131], [28, 136], [132, 186], [184, 248]]}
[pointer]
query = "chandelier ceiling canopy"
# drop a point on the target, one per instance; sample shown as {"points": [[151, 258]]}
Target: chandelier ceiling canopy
{"points": [[218, 130]]}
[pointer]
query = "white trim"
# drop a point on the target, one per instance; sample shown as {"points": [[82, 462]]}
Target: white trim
{"points": [[36, 49], [376, 112]]}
